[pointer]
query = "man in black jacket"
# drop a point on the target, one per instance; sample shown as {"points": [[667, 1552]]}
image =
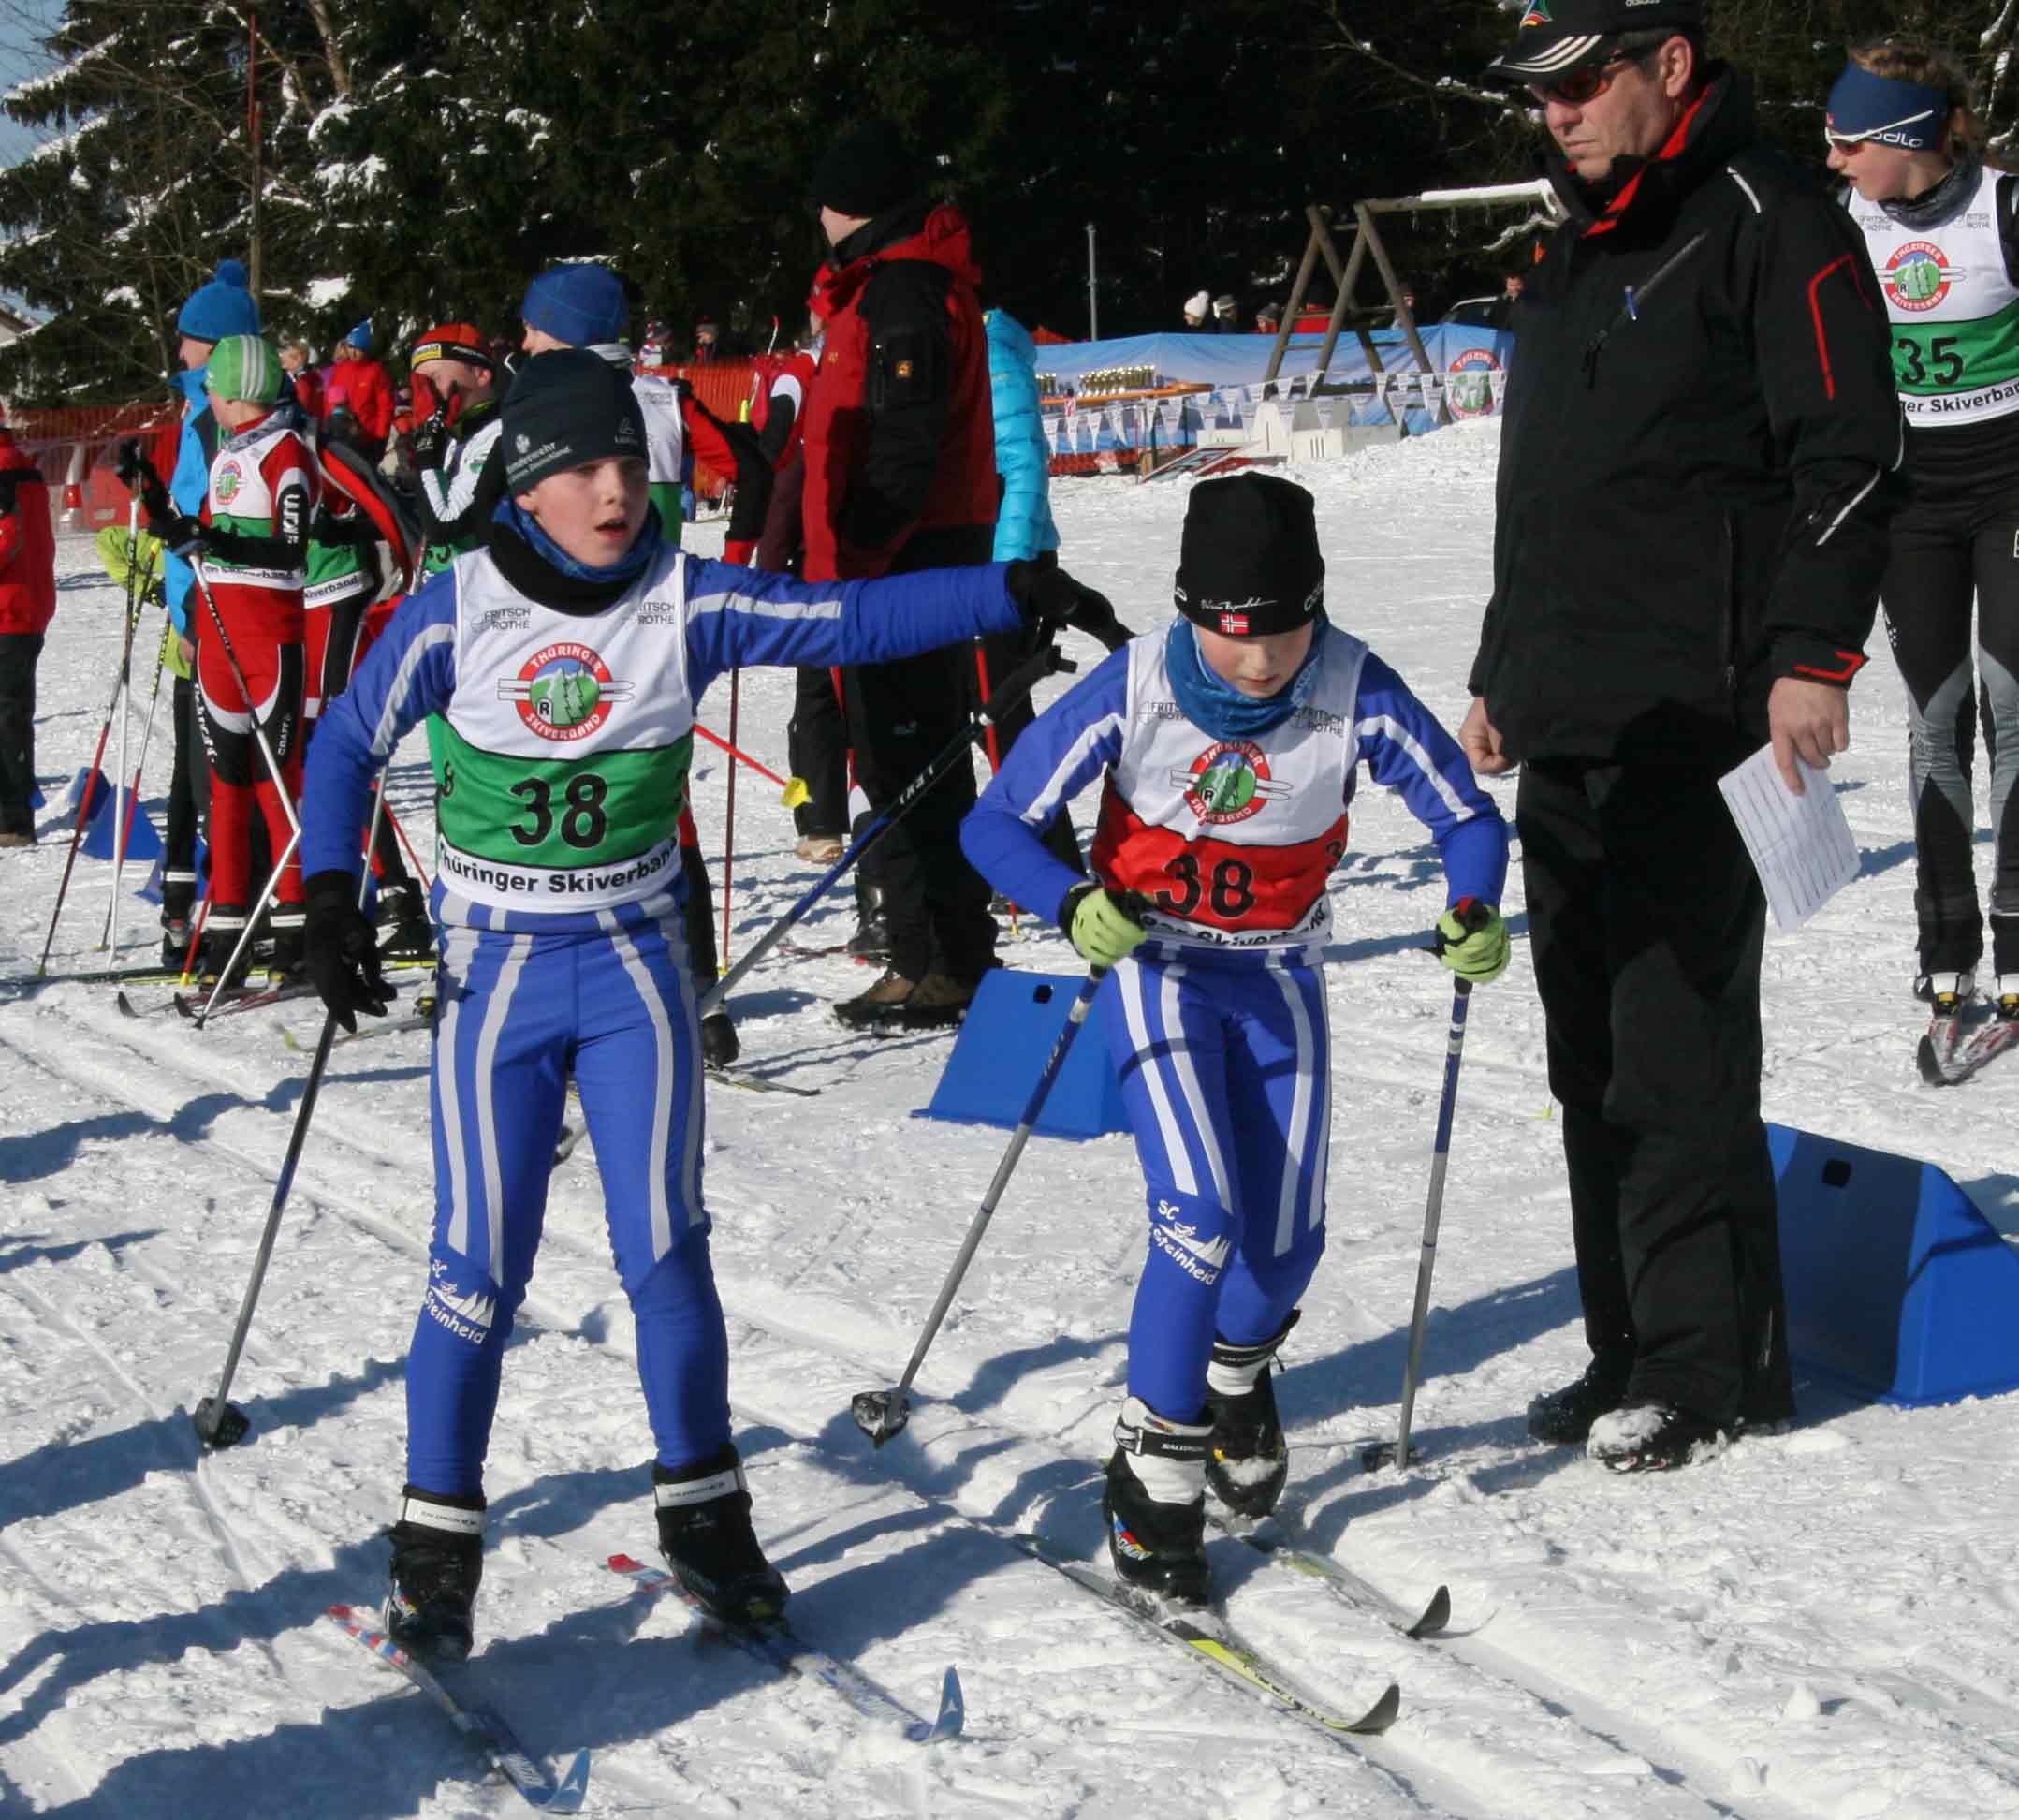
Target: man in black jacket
{"points": [[1697, 465]]}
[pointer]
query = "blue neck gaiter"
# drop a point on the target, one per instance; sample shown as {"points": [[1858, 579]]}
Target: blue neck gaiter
{"points": [[1210, 702], [624, 571]]}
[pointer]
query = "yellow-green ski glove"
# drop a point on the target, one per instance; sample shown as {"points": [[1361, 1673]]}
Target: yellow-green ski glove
{"points": [[1471, 940], [1100, 925]]}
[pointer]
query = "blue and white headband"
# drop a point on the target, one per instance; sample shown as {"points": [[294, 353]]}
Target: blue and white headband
{"points": [[1867, 107]]}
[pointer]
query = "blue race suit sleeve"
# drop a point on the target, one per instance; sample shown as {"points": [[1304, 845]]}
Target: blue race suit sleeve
{"points": [[1407, 749], [737, 615], [1069, 744], [409, 674]]}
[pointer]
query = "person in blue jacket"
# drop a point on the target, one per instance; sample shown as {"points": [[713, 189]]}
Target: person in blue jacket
{"points": [[558, 668], [1227, 745], [224, 306], [1024, 529]]}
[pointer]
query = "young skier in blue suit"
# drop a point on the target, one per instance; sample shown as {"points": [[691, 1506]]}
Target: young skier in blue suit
{"points": [[559, 670], [1227, 744]]}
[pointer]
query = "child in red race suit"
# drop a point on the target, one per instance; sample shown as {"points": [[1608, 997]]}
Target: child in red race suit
{"points": [[249, 550]]}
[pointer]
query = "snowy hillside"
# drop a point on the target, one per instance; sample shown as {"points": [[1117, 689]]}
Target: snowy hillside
{"points": [[1818, 1624]]}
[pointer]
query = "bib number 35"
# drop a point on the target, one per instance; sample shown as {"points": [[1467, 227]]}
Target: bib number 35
{"points": [[580, 816]]}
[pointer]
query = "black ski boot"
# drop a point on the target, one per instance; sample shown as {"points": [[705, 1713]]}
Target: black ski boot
{"points": [[720, 1044], [221, 935], [287, 962], [705, 1536], [1565, 1415], [1646, 1436], [872, 939], [402, 914], [1157, 1542], [437, 1563], [1249, 1462]]}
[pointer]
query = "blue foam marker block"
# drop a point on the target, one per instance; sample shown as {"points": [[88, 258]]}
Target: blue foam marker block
{"points": [[1898, 1288], [1002, 1047], [101, 833], [74, 794]]}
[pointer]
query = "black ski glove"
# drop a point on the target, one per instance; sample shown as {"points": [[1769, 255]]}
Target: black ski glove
{"points": [[426, 445], [137, 472], [342, 950], [1050, 599]]}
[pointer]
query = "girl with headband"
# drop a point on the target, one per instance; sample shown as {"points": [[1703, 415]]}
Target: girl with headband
{"points": [[1939, 223]]}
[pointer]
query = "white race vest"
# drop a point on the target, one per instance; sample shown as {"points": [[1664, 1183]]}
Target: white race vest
{"points": [[561, 762], [1953, 308], [1232, 840], [665, 430]]}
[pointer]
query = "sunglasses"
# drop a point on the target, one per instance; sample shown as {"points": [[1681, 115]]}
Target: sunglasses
{"points": [[1581, 85]]}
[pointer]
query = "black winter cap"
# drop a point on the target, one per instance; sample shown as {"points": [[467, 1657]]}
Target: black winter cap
{"points": [[1249, 564], [567, 408], [870, 170]]}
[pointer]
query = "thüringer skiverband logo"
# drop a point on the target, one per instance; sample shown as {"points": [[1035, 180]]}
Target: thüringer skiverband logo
{"points": [[564, 691], [1228, 782], [1918, 277]]}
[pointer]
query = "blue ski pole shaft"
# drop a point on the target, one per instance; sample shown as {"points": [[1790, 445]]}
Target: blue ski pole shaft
{"points": [[1016, 686]]}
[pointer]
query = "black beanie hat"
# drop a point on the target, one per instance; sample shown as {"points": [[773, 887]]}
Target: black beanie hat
{"points": [[567, 408], [870, 170], [1249, 564]]}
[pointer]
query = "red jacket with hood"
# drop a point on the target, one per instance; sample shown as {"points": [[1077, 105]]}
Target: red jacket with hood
{"points": [[27, 542], [900, 439]]}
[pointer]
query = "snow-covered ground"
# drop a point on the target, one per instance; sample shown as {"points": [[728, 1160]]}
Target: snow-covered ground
{"points": [[1818, 1624]]}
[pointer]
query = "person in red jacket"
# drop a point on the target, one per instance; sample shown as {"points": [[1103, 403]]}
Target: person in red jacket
{"points": [[360, 387], [27, 604], [900, 453]]}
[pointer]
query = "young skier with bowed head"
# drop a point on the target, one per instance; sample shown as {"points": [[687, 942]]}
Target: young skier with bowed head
{"points": [[1227, 744], [560, 667]]}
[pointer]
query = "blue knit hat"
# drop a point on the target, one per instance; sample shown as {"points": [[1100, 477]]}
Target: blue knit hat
{"points": [[224, 306], [579, 304], [360, 337]]}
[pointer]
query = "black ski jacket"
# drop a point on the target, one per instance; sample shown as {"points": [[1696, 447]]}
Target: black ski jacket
{"points": [[1698, 460]]}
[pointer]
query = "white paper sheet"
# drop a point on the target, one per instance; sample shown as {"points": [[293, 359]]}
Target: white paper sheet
{"points": [[1801, 845]]}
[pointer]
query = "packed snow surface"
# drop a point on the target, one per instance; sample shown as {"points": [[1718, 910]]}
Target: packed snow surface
{"points": [[1817, 1624]]}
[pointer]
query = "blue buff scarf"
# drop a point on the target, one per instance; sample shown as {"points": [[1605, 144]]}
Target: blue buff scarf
{"points": [[1864, 106], [626, 568], [1208, 701]]}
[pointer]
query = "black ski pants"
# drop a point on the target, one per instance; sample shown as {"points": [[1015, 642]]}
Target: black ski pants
{"points": [[189, 791], [1956, 546], [900, 716], [1647, 922], [816, 745], [20, 652]]}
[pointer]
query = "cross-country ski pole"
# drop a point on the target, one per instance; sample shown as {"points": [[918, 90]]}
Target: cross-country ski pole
{"points": [[91, 777], [728, 839], [880, 1414], [1016, 686], [1474, 915], [794, 787], [109, 935]]}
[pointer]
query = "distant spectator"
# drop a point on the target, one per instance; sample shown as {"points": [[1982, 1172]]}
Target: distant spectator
{"points": [[1270, 320], [707, 338], [299, 360], [361, 388], [1226, 317], [1196, 306], [1516, 285], [27, 604]]}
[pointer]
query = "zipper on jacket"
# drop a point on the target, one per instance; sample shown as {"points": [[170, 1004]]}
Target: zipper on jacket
{"points": [[1730, 610], [1629, 308]]}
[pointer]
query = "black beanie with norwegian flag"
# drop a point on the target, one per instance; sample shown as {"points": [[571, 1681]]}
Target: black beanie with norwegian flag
{"points": [[1248, 564]]}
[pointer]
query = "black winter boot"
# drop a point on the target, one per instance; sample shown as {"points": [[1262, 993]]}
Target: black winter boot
{"points": [[402, 914], [872, 939], [1565, 1415], [1249, 1462], [705, 1536], [1646, 1436], [437, 1563], [1155, 1504]]}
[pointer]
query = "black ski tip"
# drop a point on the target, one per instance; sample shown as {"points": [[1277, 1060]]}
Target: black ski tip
{"points": [[1435, 1615], [220, 1425], [1930, 1066], [1381, 1714]]}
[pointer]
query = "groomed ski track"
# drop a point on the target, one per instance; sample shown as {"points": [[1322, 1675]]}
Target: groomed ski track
{"points": [[1814, 1625]]}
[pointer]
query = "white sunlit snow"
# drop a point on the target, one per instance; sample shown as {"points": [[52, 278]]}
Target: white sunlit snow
{"points": [[1816, 1624]]}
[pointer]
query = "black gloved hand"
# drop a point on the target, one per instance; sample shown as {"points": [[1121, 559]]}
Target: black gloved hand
{"points": [[428, 442], [342, 950], [182, 534], [1050, 599], [682, 388], [134, 469]]}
